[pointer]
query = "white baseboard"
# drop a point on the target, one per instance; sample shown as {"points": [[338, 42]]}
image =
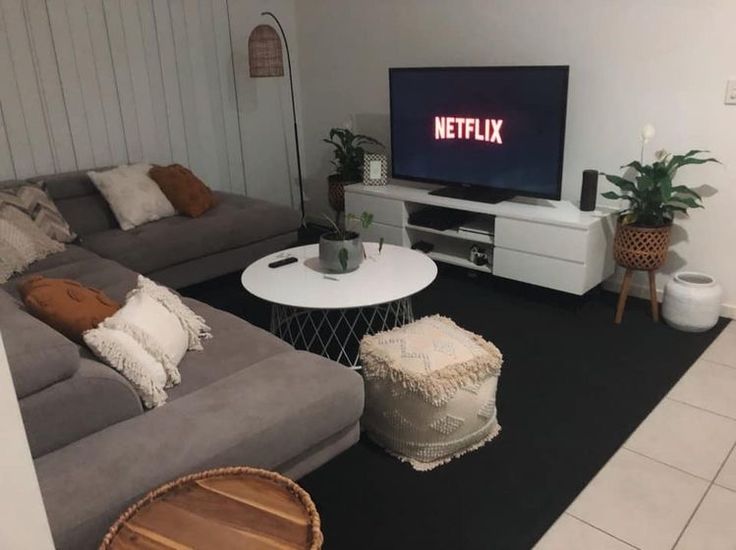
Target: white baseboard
{"points": [[728, 310], [642, 291]]}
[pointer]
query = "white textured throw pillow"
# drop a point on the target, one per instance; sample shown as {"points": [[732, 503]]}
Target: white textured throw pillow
{"points": [[123, 353], [160, 330], [133, 197]]}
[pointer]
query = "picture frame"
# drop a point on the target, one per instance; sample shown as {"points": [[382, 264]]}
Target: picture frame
{"points": [[375, 169]]}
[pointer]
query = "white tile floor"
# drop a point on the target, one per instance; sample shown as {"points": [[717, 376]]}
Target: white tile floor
{"points": [[673, 483]]}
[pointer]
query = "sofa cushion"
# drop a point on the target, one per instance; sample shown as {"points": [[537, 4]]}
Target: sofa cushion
{"points": [[263, 416], [236, 221], [82, 206], [16, 249], [66, 305], [235, 345], [110, 277], [94, 398], [32, 200], [38, 355], [25, 241], [72, 254], [134, 198], [189, 195]]}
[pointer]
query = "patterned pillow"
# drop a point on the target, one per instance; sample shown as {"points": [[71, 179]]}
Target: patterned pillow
{"points": [[21, 242], [43, 245], [15, 250], [32, 200]]}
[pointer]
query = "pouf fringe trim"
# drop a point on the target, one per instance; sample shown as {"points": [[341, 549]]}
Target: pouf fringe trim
{"points": [[441, 385], [420, 466]]}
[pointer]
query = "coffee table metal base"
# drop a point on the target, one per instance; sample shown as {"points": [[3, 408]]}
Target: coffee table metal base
{"points": [[336, 333]]}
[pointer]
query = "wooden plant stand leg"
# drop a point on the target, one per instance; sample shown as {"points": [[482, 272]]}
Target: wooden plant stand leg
{"points": [[653, 296], [622, 295]]}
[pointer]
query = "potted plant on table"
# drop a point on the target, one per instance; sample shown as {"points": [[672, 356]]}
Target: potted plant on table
{"points": [[341, 250], [349, 150], [643, 229]]}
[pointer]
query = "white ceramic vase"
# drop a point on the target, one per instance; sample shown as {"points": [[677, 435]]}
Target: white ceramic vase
{"points": [[692, 301]]}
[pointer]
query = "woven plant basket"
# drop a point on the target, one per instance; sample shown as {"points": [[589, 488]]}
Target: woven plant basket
{"points": [[642, 248], [315, 538], [336, 193]]}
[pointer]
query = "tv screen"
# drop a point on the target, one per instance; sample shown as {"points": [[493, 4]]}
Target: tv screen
{"points": [[499, 128]]}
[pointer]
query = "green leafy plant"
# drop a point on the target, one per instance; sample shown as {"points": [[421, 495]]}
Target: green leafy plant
{"points": [[345, 233], [349, 151], [653, 198]]}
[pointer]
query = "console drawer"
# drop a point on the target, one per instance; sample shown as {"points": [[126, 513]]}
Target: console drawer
{"points": [[387, 211], [540, 270], [556, 241]]}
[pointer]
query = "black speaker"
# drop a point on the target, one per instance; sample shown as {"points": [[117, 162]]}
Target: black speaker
{"points": [[589, 190]]}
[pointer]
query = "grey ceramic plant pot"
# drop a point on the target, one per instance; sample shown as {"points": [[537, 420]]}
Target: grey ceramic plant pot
{"points": [[329, 252]]}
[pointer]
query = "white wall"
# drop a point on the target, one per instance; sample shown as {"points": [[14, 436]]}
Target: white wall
{"points": [[659, 61], [265, 105], [24, 523], [97, 82]]}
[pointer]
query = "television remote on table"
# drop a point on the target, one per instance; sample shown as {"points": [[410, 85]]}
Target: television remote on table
{"points": [[285, 261]]}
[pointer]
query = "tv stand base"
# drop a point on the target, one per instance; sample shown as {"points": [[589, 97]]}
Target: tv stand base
{"points": [[547, 243], [489, 196]]}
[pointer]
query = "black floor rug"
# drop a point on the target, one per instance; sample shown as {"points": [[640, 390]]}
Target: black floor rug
{"points": [[573, 387]]}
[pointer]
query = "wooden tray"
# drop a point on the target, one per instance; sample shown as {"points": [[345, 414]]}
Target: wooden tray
{"points": [[238, 507]]}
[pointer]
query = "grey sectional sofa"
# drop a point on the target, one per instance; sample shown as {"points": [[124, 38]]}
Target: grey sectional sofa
{"points": [[248, 398]]}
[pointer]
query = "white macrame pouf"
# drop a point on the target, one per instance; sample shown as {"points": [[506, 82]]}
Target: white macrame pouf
{"points": [[430, 391]]}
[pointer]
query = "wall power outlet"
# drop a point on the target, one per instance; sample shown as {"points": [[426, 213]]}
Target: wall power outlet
{"points": [[731, 92]]}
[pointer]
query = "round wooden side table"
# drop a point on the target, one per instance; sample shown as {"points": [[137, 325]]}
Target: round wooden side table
{"points": [[226, 508]]}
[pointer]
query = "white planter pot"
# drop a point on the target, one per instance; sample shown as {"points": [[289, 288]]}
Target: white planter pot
{"points": [[692, 302], [329, 253]]}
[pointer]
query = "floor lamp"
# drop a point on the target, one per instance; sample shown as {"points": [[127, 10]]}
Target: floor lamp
{"points": [[266, 60]]}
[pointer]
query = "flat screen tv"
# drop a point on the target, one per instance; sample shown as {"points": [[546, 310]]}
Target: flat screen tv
{"points": [[487, 133]]}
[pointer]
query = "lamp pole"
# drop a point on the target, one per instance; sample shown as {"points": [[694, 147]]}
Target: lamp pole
{"points": [[293, 112]]}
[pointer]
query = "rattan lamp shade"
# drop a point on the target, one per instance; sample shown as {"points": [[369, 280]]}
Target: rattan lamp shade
{"points": [[264, 52]]}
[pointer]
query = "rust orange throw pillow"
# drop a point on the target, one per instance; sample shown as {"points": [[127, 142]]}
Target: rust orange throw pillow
{"points": [[189, 195], [66, 305]]}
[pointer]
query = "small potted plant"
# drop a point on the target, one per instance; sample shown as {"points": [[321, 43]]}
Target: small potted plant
{"points": [[341, 250], [643, 230], [348, 163]]}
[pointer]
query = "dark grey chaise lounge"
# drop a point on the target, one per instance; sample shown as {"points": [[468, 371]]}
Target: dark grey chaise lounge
{"points": [[248, 398]]}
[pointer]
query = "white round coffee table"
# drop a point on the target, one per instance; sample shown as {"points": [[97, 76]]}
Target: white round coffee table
{"points": [[328, 313]]}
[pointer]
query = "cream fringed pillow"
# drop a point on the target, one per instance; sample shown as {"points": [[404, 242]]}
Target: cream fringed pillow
{"points": [[12, 260], [147, 338], [123, 353], [134, 198], [21, 243]]}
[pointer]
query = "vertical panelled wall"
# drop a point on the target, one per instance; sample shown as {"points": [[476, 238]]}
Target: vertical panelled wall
{"points": [[90, 83]]}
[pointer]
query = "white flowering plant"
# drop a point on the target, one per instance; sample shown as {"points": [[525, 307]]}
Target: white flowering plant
{"points": [[653, 198]]}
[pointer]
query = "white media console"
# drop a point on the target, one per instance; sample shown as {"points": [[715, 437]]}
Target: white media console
{"points": [[546, 243]]}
